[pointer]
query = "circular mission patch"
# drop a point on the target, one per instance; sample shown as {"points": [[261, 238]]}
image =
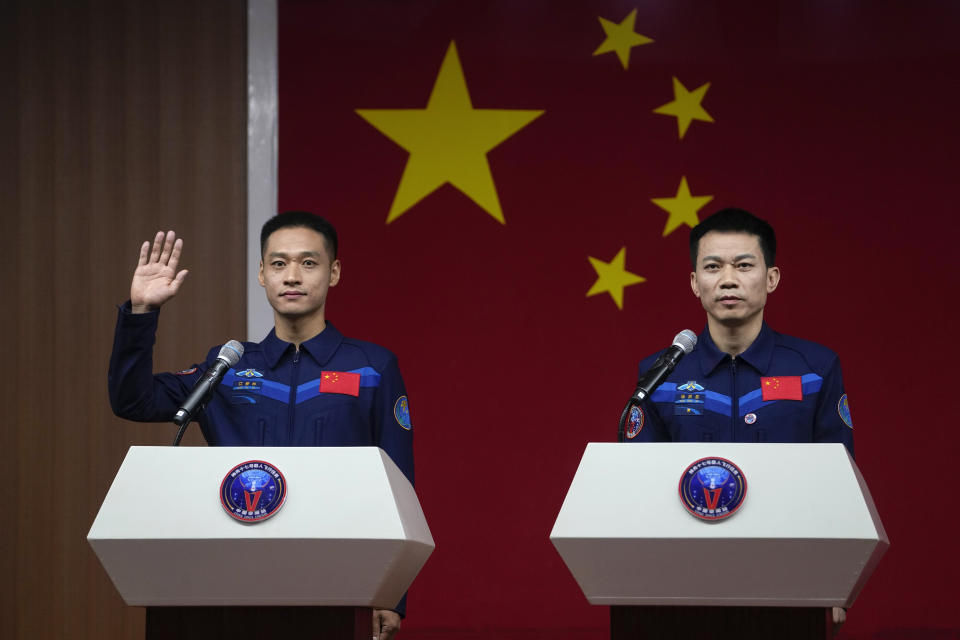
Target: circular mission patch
{"points": [[253, 491], [712, 489]]}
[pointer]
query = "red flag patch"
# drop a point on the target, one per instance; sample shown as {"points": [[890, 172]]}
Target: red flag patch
{"points": [[782, 388], [340, 382]]}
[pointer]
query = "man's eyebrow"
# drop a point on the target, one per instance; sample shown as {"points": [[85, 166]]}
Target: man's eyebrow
{"points": [[742, 256], [302, 254]]}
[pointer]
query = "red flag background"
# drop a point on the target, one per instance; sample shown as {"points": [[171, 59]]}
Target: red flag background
{"points": [[833, 120]]}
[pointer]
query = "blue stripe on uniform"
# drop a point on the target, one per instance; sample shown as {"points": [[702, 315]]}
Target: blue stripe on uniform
{"points": [[310, 389]]}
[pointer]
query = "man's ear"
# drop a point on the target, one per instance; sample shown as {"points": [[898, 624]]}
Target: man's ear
{"points": [[693, 283], [260, 275], [334, 272], [773, 279]]}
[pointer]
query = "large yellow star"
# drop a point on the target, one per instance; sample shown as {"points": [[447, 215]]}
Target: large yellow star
{"points": [[686, 106], [682, 208], [621, 38], [448, 141], [613, 276]]}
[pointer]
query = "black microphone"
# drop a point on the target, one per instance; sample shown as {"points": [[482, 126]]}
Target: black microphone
{"points": [[683, 343], [229, 355]]}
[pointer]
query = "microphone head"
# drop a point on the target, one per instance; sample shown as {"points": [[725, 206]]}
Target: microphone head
{"points": [[231, 353], [686, 340]]}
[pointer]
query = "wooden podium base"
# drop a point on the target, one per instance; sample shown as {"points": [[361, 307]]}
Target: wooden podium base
{"points": [[214, 623], [718, 623]]}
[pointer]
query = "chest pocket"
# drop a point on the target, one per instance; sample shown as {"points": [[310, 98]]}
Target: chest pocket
{"points": [[337, 421]]}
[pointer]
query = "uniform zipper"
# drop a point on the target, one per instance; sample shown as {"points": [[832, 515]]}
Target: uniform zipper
{"points": [[735, 401], [293, 396]]}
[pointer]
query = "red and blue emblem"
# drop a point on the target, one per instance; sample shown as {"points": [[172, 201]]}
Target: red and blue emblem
{"points": [[712, 488], [253, 491], [635, 422]]}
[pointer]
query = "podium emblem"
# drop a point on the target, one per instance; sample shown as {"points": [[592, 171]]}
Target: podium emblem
{"points": [[712, 488], [253, 491]]}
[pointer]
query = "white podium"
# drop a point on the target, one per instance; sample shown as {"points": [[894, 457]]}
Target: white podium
{"points": [[806, 536], [350, 533]]}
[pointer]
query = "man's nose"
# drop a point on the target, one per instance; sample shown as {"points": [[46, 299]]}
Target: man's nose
{"points": [[728, 277], [291, 274]]}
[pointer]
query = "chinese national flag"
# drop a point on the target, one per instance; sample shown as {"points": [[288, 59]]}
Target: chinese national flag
{"points": [[782, 388], [340, 382]]}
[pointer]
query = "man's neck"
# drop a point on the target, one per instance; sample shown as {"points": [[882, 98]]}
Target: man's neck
{"points": [[734, 339], [298, 330]]}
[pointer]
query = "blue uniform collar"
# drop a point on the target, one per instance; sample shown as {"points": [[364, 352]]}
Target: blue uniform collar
{"points": [[758, 355], [321, 347]]}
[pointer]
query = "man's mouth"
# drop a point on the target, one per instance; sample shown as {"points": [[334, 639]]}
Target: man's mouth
{"points": [[292, 295]]}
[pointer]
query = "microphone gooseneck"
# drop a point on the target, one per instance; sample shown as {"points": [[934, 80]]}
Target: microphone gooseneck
{"points": [[229, 356], [683, 343]]}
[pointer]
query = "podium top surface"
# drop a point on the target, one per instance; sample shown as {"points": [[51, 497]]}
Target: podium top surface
{"points": [[793, 490], [173, 493]]}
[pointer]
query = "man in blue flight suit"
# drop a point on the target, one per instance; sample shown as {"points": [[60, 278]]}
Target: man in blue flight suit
{"points": [[744, 382], [305, 384]]}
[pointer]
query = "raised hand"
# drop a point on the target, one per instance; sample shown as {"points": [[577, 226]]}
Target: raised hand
{"points": [[156, 279]]}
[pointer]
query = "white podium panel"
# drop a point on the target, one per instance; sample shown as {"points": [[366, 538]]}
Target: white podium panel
{"points": [[350, 533], [807, 533]]}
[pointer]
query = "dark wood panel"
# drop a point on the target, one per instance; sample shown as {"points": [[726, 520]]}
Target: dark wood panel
{"points": [[122, 118]]}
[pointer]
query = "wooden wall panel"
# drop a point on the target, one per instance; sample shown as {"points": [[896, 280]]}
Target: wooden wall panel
{"points": [[117, 119]]}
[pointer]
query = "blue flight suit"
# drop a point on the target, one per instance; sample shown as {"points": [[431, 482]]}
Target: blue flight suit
{"points": [[711, 397], [272, 396]]}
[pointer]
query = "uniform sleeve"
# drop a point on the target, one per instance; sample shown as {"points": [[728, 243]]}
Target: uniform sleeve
{"points": [[652, 427], [135, 392], [832, 422], [392, 427]]}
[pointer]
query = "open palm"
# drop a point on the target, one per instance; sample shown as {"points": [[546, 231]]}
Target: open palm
{"points": [[156, 278]]}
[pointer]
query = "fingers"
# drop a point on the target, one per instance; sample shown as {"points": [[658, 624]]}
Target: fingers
{"points": [[386, 623], [175, 284], [166, 250]]}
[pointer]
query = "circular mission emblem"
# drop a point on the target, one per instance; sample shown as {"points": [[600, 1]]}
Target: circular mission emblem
{"points": [[712, 488], [253, 491]]}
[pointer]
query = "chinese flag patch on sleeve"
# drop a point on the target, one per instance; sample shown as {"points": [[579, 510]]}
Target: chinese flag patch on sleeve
{"points": [[340, 382], [782, 388]]}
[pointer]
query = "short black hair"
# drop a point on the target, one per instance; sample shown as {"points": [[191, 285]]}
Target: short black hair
{"points": [[736, 221], [300, 219]]}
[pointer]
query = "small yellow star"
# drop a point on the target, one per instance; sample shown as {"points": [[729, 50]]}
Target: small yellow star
{"points": [[621, 38], [686, 106], [448, 141], [682, 208], [613, 276]]}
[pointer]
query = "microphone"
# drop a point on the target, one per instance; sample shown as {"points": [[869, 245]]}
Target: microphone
{"points": [[229, 355], [683, 343]]}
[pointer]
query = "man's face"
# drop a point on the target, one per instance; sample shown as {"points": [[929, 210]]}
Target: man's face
{"points": [[731, 277], [296, 271]]}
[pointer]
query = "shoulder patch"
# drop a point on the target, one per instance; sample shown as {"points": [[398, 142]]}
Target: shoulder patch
{"points": [[186, 372], [401, 411], [843, 408], [635, 422]]}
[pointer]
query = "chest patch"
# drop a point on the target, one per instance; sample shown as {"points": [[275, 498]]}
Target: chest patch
{"points": [[781, 388], [689, 399], [340, 382]]}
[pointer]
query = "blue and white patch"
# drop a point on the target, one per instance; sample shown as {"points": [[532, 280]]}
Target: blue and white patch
{"points": [[248, 373], [750, 418], [635, 422], [712, 489], [689, 399], [401, 411], [253, 491], [843, 408]]}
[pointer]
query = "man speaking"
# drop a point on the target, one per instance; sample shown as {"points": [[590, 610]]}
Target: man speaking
{"points": [[305, 384], [743, 382]]}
